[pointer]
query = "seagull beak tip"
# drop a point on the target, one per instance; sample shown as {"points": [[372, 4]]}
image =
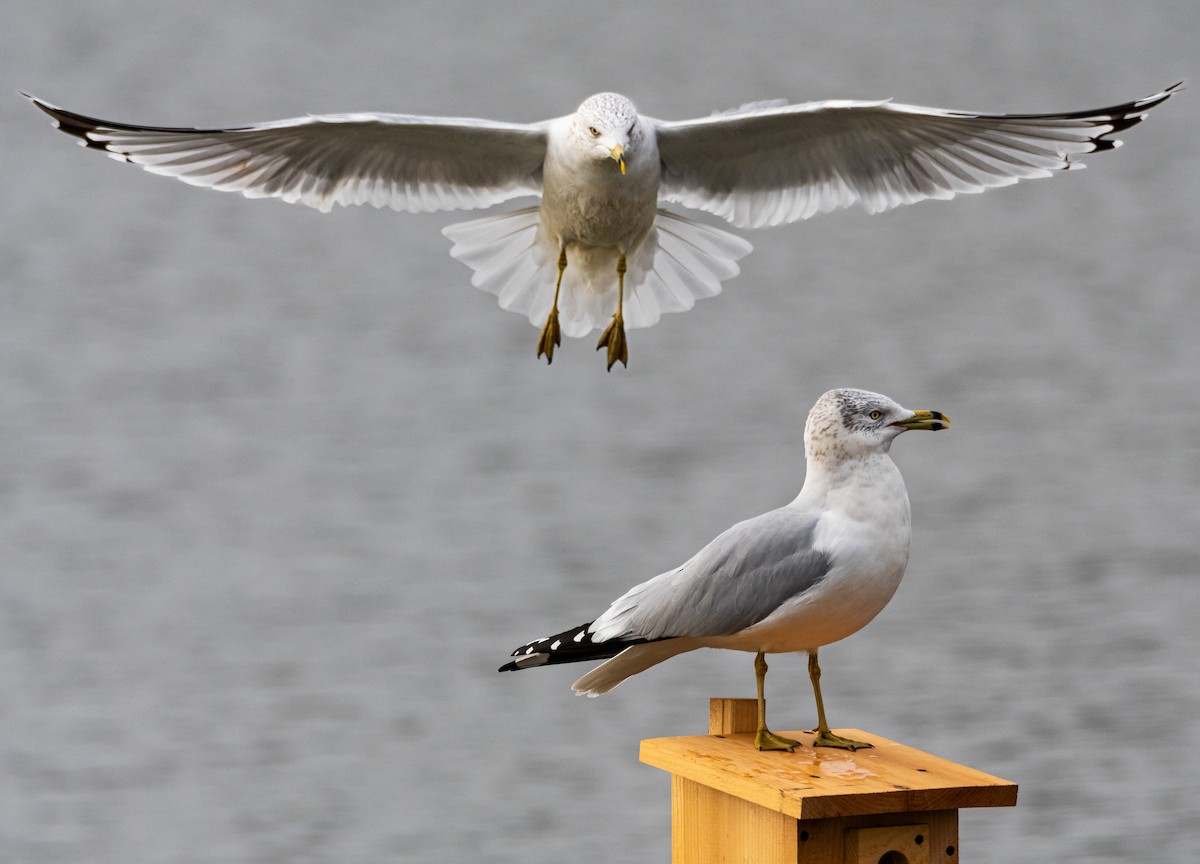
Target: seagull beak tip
{"points": [[933, 421], [618, 155]]}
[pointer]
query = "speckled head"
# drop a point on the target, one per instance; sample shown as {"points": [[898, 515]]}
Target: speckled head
{"points": [[609, 108], [608, 125], [845, 423]]}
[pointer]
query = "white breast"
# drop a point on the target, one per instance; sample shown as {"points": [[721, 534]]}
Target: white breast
{"points": [[866, 532]]}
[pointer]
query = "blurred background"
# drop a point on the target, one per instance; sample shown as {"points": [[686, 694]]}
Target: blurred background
{"points": [[279, 490]]}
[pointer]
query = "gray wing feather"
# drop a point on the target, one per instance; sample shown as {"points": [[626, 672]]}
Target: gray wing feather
{"points": [[773, 164], [735, 581], [394, 160]]}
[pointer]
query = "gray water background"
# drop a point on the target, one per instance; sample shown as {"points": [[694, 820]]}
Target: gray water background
{"points": [[279, 490]]}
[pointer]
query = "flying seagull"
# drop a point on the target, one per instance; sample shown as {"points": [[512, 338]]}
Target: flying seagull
{"points": [[599, 247], [793, 579]]}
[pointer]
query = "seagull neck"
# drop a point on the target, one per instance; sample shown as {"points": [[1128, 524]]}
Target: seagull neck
{"points": [[825, 479]]}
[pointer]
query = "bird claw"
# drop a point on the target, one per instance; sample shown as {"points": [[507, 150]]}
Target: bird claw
{"points": [[614, 338], [550, 337], [765, 739], [828, 739]]}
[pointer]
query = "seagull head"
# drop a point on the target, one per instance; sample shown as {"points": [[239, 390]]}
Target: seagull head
{"points": [[608, 126], [850, 423]]}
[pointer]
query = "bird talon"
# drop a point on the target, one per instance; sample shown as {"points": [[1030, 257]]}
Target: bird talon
{"points": [[550, 337], [765, 739], [828, 739], [613, 338]]}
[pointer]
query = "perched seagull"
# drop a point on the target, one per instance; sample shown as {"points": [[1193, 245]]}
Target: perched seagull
{"points": [[793, 579], [602, 174]]}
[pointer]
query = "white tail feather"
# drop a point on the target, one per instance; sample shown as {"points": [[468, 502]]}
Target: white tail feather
{"points": [[631, 661], [677, 262]]}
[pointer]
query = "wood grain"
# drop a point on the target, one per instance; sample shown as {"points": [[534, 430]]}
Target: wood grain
{"points": [[824, 783]]}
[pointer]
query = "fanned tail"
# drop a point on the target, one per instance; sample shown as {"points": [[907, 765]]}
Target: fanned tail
{"points": [[507, 258], [678, 262]]}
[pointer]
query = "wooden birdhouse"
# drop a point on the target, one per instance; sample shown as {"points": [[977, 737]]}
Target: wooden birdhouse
{"points": [[889, 804]]}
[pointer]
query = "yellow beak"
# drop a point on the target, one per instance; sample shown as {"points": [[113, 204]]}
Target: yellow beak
{"points": [[933, 420], [618, 153]]}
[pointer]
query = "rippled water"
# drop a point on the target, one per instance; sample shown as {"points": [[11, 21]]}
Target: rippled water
{"points": [[280, 490]]}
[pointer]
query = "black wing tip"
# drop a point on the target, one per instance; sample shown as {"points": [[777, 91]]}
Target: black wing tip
{"points": [[1122, 117], [79, 125], [570, 646], [1126, 113], [75, 125], [40, 103], [1165, 94], [1135, 112]]}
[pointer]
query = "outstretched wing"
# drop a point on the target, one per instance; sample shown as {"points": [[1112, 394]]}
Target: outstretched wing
{"points": [[394, 160], [767, 163]]}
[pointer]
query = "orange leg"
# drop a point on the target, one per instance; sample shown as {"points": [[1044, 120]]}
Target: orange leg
{"points": [[551, 338], [613, 336]]}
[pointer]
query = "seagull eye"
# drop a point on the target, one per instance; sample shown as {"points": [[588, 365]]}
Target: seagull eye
{"points": [[875, 415], [594, 131], [630, 132]]}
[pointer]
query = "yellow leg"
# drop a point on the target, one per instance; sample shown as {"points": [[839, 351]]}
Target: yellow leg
{"points": [[551, 337], [614, 334], [764, 738], [826, 738]]}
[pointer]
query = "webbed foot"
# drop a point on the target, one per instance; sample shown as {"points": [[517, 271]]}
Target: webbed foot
{"points": [[826, 738], [614, 338], [550, 338], [765, 739]]}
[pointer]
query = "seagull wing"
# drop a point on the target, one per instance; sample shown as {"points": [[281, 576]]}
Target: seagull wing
{"points": [[734, 582], [768, 163], [404, 162]]}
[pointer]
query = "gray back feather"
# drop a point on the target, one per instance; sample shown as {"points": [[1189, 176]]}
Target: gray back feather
{"points": [[735, 581]]}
